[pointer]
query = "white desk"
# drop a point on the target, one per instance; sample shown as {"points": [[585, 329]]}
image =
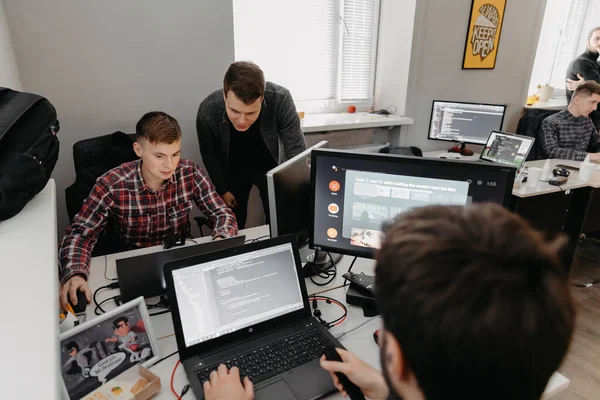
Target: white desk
{"points": [[359, 341], [345, 121], [542, 187], [28, 256]]}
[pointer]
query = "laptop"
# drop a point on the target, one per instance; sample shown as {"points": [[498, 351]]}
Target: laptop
{"points": [[507, 148], [247, 306], [143, 275]]}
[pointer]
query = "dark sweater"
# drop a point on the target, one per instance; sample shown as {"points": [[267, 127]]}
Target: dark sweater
{"points": [[279, 127], [588, 66]]}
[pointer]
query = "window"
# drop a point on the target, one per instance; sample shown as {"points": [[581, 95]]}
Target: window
{"points": [[323, 51], [562, 38]]}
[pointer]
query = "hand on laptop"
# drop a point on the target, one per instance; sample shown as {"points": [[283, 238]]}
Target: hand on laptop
{"points": [[367, 378], [226, 385], [68, 291]]}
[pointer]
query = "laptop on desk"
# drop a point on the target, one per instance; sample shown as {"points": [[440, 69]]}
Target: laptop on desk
{"points": [[507, 148], [144, 276], [247, 306]]}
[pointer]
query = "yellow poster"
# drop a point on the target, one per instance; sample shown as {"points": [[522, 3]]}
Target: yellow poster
{"points": [[483, 36]]}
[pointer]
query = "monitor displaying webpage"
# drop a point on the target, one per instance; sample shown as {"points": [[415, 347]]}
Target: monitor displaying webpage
{"points": [[355, 198], [223, 296]]}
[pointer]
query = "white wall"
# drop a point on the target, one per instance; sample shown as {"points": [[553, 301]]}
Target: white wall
{"points": [[396, 24], [436, 61], [9, 75], [103, 64]]}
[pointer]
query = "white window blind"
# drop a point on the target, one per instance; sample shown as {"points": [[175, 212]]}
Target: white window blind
{"points": [[323, 51], [358, 50], [567, 48]]}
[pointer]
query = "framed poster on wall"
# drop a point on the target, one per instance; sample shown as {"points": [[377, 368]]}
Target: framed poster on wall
{"points": [[483, 35]]}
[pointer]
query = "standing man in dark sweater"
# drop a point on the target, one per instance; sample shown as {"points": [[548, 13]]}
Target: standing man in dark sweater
{"points": [[244, 130], [586, 67]]}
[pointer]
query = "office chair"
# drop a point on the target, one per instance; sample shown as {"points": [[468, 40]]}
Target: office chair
{"points": [[404, 151], [92, 158], [530, 124]]}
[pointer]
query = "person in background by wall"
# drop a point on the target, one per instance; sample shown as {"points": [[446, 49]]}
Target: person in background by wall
{"points": [[586, 67], [570, 134], [475, 305], [244, 130], [148, 199]]}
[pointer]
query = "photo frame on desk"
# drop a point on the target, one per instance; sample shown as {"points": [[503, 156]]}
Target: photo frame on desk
{"points": [[483, 34], [101, 349]]}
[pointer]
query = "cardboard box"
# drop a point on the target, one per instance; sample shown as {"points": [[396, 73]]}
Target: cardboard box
{"points": [[137, 383]]}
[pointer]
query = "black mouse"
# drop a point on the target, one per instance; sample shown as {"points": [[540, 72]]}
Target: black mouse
{"points": [[81, 302]]}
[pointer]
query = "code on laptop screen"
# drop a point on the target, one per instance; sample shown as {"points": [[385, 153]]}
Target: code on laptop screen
{"points": [[223, 296]]}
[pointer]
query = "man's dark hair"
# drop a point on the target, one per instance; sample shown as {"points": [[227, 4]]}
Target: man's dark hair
{"points": [[120, 319], [246, 80], [592, 32], [158, 127], [587, 88], [71, 345], [477, 301]]}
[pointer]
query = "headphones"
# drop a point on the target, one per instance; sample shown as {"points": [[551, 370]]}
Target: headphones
{"points": [[561, 172], [328, 300], [173, 240]]}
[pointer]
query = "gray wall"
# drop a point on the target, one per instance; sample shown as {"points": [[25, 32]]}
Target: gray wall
{"points": [[9, 75], [105, 63], [436, 60]]}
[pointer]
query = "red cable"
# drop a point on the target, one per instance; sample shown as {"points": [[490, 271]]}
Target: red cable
{"points": [[173, 376]]}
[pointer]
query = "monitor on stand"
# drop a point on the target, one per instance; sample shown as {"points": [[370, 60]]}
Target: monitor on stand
{"points": [[289, 190], [355, 196], [464, 123]]}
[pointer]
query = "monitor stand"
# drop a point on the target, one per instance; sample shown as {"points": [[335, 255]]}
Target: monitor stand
{"points": [[318, 260], [461, 149]]}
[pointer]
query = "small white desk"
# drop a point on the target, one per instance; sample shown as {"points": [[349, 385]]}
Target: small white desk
{"points": [[359, 341], [28, 256]]}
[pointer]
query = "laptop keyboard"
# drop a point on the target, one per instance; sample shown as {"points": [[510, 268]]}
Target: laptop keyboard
{"points": [[276, 358]]}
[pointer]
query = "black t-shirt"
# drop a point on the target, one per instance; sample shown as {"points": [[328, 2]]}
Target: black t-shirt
{"points": [[248, 150]]}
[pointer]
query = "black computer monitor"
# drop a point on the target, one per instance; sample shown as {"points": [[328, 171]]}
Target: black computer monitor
{"points": [[464, 123], [354, 195], [288, 188]]}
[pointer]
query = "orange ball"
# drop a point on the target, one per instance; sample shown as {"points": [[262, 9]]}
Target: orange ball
{"points": [[351, 109]]}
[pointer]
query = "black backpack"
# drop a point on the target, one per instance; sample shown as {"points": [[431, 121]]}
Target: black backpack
{"points": [[28, 148]]}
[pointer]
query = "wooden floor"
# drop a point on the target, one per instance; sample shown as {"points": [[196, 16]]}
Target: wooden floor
{"points": [[582, 364]]}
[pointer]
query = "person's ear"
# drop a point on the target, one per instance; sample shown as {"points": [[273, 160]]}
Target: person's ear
{"points": [[394, 358], [137, 149]]}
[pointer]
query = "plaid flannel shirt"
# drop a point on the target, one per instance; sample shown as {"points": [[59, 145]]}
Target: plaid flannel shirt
{"points": [[143, 216], [568, 137]]}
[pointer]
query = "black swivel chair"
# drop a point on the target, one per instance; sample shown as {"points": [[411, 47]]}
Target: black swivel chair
{"points": [[92, 158], [530, 125], [404, 151]]}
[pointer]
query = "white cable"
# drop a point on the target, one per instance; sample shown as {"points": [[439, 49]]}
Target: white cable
{"points": [[355, 328]]}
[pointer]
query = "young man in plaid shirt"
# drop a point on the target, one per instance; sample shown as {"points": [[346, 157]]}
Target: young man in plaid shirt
{"points": [[148, 199], [570, 134]]}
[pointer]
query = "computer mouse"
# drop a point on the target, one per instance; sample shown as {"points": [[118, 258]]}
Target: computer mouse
{"points": [[81, 303]]}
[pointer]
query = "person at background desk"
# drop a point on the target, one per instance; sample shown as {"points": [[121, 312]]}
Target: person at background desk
{"points": [[148, 199], [570, 134], [586, 67], [245, 130], [475, 305]]}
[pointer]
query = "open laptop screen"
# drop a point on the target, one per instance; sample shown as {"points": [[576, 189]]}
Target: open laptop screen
{"points": [[505, 148], [223, 296]]}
